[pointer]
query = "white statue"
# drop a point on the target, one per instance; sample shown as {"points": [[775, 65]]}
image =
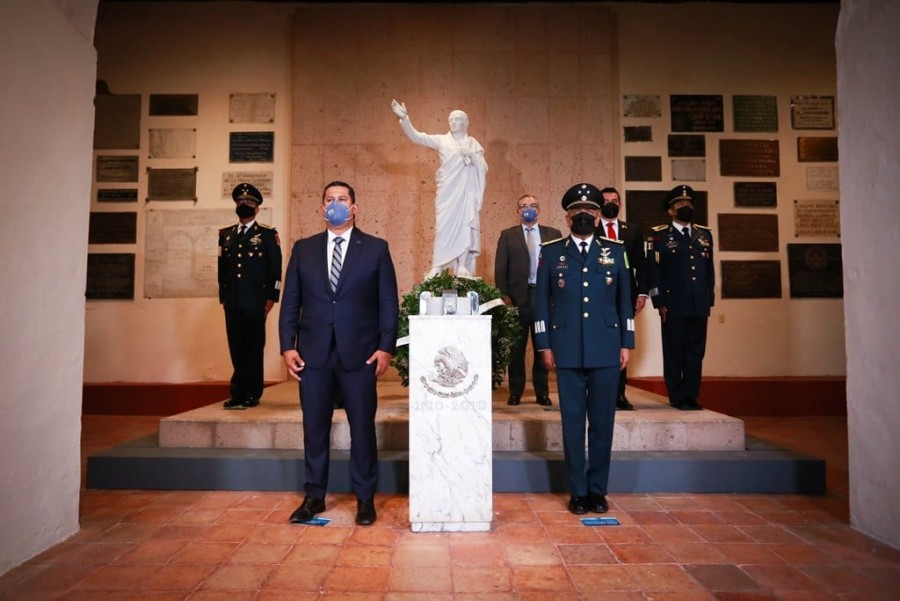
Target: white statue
{"points": [[460, 192]]}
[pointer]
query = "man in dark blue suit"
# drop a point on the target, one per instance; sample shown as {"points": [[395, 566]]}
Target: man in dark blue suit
{"points": [[584, 328], [338, 331], [682, 279]]}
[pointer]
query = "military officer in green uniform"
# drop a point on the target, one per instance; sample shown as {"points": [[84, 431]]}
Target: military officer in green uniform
{"points": [[249, 281], [584, 330], [682, 279]]}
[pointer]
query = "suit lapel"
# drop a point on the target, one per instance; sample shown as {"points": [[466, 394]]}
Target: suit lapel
{"points": [[352, 251]]}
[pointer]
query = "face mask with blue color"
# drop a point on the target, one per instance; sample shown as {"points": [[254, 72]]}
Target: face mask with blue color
{"points": [[337, 213], [529, 214]]}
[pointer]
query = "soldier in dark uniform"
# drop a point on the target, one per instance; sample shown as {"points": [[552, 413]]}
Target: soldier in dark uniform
{"points": [[249, 280], [682, 278], [584, 328]]}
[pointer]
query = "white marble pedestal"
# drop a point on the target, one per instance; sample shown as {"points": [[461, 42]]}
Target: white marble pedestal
{"points": [[450, 472]]}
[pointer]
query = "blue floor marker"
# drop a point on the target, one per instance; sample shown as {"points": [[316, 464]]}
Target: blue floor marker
{"points": [[610, 521]]}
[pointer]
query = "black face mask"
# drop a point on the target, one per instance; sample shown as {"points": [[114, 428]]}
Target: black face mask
{"points": [[610, 210], [244, 211], [582, 224], [685, 214]]}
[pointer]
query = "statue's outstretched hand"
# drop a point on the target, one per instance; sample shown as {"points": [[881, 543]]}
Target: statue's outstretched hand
{"points": [[399, 109]]}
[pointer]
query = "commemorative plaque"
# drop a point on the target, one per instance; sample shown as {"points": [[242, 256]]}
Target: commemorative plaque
{"points": [[748, 233], [751, 279], [812, 112], [641, 105], [117, 169], [697, 112], [755, 113], [173, 105], [817, 218], [815, 270], [117, 195], [117, 121], [172, 184], [690, 170], [173, 143], [817, 149], [645, 208], [251, 108], [112, 228], [687, 145], [822, 177], [749, 158], [643, 169], [755, 194], [638, 133], [261, 180], [110, 276], [251, 147]]}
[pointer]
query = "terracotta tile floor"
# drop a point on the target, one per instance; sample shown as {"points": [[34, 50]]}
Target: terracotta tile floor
{"points": [[143, 545]]}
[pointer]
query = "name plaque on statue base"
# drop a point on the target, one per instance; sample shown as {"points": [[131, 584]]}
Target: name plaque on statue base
{"points": [[450, 438]]}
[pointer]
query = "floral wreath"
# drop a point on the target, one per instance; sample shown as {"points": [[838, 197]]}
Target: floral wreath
{"points": [[505, 328]]}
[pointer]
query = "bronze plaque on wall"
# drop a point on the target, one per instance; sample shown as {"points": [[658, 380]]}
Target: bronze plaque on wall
{"points": [[117, 195], [110, 276], [645, 208], [812, 112], [173, 105], [117, 169], [697, 112], [750, 233], [817, 149], [755, 194], [638, 133], [251, 147], [755, 113], [749, 158], [112, 228], [751, 279], [815, 270], [172, 184], [687, 145], [643, 169], [117, 121]]}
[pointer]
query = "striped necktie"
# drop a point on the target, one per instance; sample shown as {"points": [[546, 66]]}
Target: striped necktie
{"points": [[336, 259]]}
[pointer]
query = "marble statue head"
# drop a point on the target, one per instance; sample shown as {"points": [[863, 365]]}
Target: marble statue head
{"points": [[459, 121]]}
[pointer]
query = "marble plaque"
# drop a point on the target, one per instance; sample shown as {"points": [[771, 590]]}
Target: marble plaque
{"points": [[173, 143], [692, 112], [261, 180], [751, 279], [645, 208], [815, 270], [117, 195], [112, 228], [641, 105], [643, 169], [117, 121], [749, 158], [817, 218], [687, 145], [172, 184], [817, 149], [117, 169], [691, 170], [450, 425], [755, 113], [251, 108], [174, 105], [812, 112], [110, 276], [251, 147], [750, 233], [822, 177], [755, 194], [638, 133]]}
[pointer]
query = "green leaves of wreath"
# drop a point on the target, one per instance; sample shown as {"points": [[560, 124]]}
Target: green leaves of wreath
{"points": [[505, 329]]}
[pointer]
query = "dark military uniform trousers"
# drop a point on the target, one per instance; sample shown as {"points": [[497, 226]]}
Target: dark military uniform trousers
{"points": [[246, 330], [683, 346], [539, 377], [591, 394]]}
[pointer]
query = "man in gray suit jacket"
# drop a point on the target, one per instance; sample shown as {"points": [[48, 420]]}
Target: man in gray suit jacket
{"points": [[515, 272]]}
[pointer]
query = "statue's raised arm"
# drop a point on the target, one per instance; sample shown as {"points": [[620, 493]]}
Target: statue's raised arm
{"points": [[460, 182]]}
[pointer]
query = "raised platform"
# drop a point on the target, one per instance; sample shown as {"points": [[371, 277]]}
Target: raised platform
{"points": [[656, 449]]}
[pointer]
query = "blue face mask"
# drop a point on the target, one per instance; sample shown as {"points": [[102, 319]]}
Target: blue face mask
{"points": [[529, 214], [337, 213]]}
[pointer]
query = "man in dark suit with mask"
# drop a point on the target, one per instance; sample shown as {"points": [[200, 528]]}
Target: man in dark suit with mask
{"points": [[682, 281], [632, 237], [249, 277], [515, 273], [584, 328], [338, 331]]}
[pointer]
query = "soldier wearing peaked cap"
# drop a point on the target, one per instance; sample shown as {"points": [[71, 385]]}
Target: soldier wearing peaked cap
{"points": [[584, 328], [682, 280], [249, 280]]}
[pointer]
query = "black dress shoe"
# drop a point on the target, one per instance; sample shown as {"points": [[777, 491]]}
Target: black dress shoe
{"points": [[579, 505], [623, 404], [598, 502], [677, 405], [365, 512], [544, 401], [514, 399], [251, 402], [234, 403], [692, 405], [307, 510]]}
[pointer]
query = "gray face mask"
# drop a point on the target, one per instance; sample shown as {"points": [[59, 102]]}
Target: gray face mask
{"points": [[582, 224]]}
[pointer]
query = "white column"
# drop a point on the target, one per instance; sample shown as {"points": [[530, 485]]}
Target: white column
{"points": [[450, 473]]}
